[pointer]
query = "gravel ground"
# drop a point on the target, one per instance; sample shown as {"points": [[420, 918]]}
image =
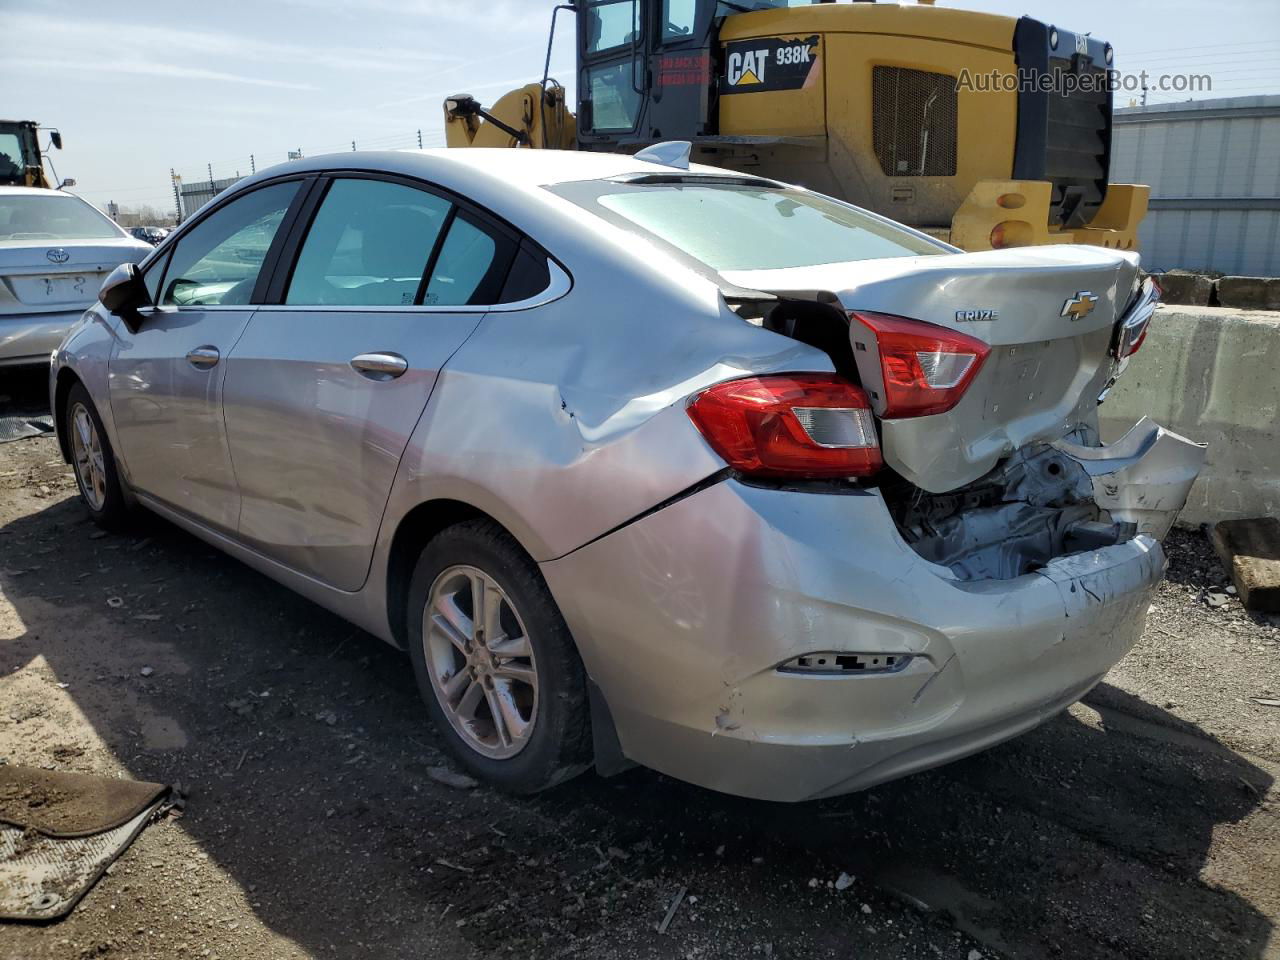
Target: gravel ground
{"points": [[1141, 823]]}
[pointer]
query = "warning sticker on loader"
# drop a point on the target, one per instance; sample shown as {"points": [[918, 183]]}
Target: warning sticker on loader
{"points": [[770, 63]]}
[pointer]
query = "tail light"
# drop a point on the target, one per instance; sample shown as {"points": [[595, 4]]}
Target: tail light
{"points": [[926, 368], [1135, 324], [795, 426]]}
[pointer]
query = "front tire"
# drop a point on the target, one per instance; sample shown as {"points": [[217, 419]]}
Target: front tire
{"points": [[93, 462], [495, 662]]}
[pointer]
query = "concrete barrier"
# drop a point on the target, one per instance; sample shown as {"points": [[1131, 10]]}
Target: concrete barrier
{"points": [[1211, 374]]}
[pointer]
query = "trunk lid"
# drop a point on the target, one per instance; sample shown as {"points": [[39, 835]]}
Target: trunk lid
{"points": [[1048, 313], [40, 276]]}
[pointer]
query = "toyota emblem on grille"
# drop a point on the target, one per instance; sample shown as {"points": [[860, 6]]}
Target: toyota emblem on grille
{"points": [[57, 255]]}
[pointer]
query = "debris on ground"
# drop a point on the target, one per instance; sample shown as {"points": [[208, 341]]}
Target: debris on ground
{"points": [[451, 778], [671, 910], [1250, 551]]}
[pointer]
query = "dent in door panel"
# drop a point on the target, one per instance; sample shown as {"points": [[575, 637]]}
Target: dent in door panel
{"points": [[315, 443]]}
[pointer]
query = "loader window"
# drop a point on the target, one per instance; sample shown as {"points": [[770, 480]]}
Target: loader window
{"points": [[736, 227], [613, 23], [614, 101], [678, 18]]}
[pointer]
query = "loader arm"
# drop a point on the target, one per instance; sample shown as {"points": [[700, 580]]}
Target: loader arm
{"points": [[527, 117]]}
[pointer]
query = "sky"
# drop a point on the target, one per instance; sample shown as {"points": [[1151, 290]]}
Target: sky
{"points": [[143, 87]]}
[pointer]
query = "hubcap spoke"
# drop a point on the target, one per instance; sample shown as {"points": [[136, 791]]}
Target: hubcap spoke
{"points": [[456, 685], [517, 672], [516, 725], [499, 716], [470, 700], [448, 626], [511, 647]]}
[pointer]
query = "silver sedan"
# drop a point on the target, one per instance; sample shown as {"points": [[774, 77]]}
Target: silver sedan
{"points": [[55, 250], [643, 462]]}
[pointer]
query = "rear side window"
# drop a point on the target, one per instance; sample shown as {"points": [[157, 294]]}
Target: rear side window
{"points": [[369, 245], [219, 260], [465, 260]]}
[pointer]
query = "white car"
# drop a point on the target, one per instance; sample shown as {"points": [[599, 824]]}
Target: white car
{"points": [[55, 250]]}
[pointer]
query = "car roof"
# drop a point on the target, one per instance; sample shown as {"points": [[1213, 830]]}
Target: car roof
{"points": [[38, 191], [520, 168]]}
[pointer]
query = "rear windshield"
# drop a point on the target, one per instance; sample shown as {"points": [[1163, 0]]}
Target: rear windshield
{"points": [[51, 217], [735, 226]]}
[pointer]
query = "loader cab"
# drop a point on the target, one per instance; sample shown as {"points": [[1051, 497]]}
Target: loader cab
{"points": [[20, 161], [645, 70]]}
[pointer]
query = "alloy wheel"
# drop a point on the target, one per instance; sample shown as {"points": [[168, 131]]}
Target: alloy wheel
{"points": [[86, 448], [481, 663]]}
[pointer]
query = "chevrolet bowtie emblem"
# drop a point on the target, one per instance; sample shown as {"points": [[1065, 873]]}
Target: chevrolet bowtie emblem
{"points": [[1079, 306]]}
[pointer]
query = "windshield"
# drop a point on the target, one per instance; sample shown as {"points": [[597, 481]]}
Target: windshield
{"points": [[45, 216], [731, 226]]}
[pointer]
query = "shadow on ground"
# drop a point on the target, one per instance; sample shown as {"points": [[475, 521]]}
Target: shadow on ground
{"points": [[306, 755]]}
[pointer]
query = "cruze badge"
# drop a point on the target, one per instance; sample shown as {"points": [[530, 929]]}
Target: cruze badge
{"points": [[1079, 306], [968, 316]]}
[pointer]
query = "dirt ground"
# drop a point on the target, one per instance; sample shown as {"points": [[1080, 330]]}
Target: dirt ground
{"points": [[1141, 823]]}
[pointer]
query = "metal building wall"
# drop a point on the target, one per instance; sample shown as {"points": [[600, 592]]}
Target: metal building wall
{"points": [[1214, 171], [196, 194]]}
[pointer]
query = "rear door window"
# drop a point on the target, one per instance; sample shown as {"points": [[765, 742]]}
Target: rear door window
{"points": [[369, 245]]}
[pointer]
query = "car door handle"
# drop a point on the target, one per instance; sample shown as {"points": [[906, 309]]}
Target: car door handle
{"points": [[379, 366], [204, 357]]}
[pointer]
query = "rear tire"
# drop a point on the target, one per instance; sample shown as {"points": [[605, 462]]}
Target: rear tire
{"points": [[93, 462], [495, 662]]}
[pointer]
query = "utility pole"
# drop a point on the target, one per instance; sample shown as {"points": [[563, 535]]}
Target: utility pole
{"points": [[253, 167], [177, 196], [1144, 93], [210, 178], [419, 139], [353, 146]]}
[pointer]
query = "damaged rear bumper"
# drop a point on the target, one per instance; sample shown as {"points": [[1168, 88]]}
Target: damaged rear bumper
{"points": [[1142, 478], [688, 618]]}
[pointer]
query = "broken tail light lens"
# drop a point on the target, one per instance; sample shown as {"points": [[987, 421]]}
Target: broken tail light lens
{"points": [[799, 426], [1135, 324], [926, 368]]}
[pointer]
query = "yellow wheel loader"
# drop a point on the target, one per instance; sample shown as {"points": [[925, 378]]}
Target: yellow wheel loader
{"points": [[21, 162], [984, 130]]}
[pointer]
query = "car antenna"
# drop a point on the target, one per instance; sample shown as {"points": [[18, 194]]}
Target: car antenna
{"points": [[671, 153]]}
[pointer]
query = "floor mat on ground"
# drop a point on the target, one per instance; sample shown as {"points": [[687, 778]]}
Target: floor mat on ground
{"points": [[19, 426], [60, 831]]}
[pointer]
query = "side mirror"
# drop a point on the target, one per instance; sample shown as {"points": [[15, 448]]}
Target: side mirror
{"points": [[123, 293], [69, 182], [56, 138]]}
